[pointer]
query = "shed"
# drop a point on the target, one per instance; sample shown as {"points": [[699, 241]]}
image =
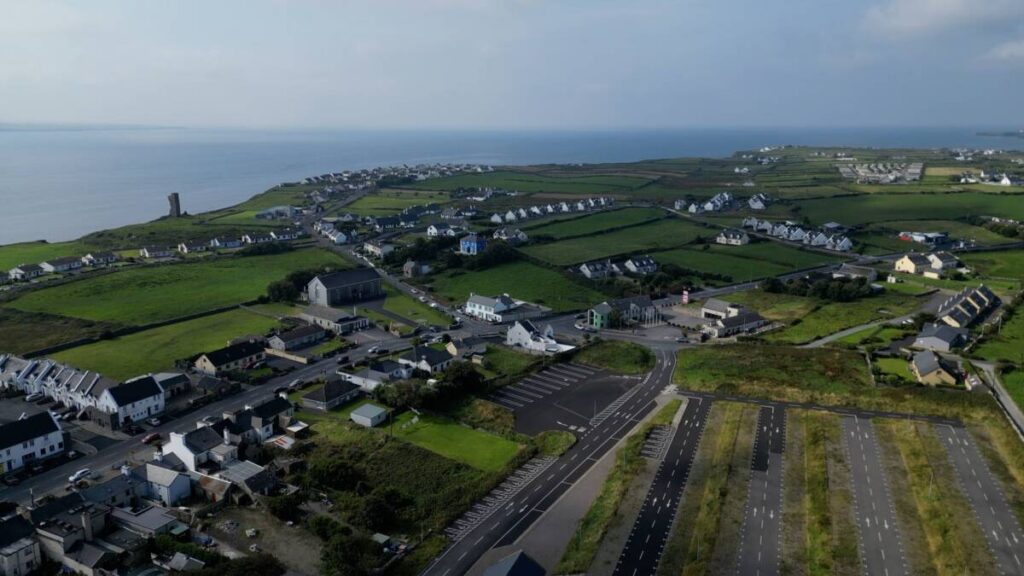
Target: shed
{"points": [[369, 415]]}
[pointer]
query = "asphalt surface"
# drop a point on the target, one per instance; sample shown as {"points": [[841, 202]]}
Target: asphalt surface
{"points": [[650, 531], [994, 515], [878, 535], [506, 525], [762, 525]]}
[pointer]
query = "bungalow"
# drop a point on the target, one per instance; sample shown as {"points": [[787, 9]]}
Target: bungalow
{"points": [[641, 265], [759, 201], [25, 272], [337, 321], [472, 244], [931, 369], [386, 223], [378, 249], [257, 238], [441, 230], [426, 359], [235, 357], [913, 263], [413, 269], [732, 237], [741, 323], [715, 308], [66, 264], [156, 252], [286, 234], [377, 373], [99, 258], [940, 337], [510, 235], [225, 242], [597, 269], [624, 311], [301, 337], [331, 395], [191, 247], [526, 336]]}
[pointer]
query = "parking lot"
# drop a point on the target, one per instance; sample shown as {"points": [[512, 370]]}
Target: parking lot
{"points": [[561, 397]]}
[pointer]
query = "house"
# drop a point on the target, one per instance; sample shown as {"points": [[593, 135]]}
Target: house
{"points": [[257, 238], [378, 249], [195, 448], [29, 440], [225, 242], [912, 263], [344, 286], [369, 415], [797, 234], [331, 395], [501, 308], [526, 336], [943, 261], [624, 311], [156, 252], [744, 322], [511, 216], [426, 359], [385, 223], [133, 401], [301, 337], [695, 208], [286, 234], [718, 202], [467, 347], [839, 243], [940, 337], [99, 258], [759, 201], [441, 230], [715, 308], [497, 219], [377, 373], [19, 548], [852, 271], [162, 483], [234, 357], [259, 423], [751, 222], [414, 269], [966, 306], [732, 237], [67, 529], [510, 235], [336, 321], [146, 520], [25, 272], [515, 564], [62, 264], [931, 369], [641, 265], [191, 247], [597, 269], [472, 244]]}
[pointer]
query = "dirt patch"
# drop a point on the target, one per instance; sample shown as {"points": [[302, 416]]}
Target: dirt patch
{"points": [[292, 545]]}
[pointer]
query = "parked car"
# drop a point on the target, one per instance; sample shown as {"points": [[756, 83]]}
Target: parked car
{"points": [[12, 480], [342, 359], [150, 438], [373, 350], [82, 474], [154, 421], [33, 397]]}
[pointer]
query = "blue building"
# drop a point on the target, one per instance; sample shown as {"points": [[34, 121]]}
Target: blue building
{"points": [[472, 244]]}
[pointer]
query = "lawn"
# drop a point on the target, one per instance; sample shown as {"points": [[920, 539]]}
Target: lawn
{"points": [[407, 307], [735, 268], [617, 356], [1008, 344], [597, 222], [156, 293], [895, 366], [528, 182], [22, 332], [1013, 381], [659, 235], [1001, 264], [831, 317], [873, 335], [478, 449], [871, 208], [957, 230], [522, 280], [390, 202], [504, 361], [12, 255], [157, 349]]}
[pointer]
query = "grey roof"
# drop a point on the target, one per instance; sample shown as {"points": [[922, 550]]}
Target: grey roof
{"points": [[926, 362], [741, 319], [202, 439], [369, 411], [135, 390], [942, 332], [919, 259], [159, 475], [13, 529], [29, 268], [63, 260], [88, 554], [26, 429], [516, 564], [432, 356], [234, 352], [326, 313], [716, 305], [331, 390], [102, 492], [945, 257], [638, 301], [300, 333], [272, 408], [348, 277]]}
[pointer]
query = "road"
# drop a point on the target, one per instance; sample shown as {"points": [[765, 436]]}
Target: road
{"points": [[650, 531], [879, 537], [982, 491], [507, 524], [56, 478], [762, 525], [995, 385]]}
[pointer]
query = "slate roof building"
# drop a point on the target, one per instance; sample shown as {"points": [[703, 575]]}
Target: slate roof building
{"points": [[940, 337], [234, 357], [29, 440], [344, 286]]}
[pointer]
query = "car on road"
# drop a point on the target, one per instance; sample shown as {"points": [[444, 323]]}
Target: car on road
{"points": [[433, 304], [153, 421], [373, 349], [342, 359], [82, 474], [423, 298], [682, 339], [584, 327], [12, 480], [150, 438]]}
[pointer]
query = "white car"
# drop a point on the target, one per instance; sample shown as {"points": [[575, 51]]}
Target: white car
{"points": [[80, 475], [433, 304], [373, 350], [33, 397]]}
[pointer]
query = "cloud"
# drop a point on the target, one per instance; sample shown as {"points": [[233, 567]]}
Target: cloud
{"points": [[1008, 51], [926, 17]]}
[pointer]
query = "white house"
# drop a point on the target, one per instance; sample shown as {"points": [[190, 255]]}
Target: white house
{"points": [[191, 247], [99, 258], [225, 242], [25, 272], [134, 401], [378, 249], [254, 238], [156, 252], [62, 264], [839, 243], [497, 219], [441, 230], [510, 235], [732, 237], [487, 308], [511, 216], [758, 201], [19, 547], [160, 482], [29, 440], [286, 234], [642, 265], [377, 373], [525, 335], [597, 269], [426, 359]]}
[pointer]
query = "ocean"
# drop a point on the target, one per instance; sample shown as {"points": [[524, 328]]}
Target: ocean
{"points": [[58, 184]]}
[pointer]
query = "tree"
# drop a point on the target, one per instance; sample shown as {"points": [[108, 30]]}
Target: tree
{"points": [[349, 555], [282, 291]]}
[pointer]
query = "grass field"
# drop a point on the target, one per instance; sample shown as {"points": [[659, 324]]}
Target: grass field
{"points": [[957, 230], [406, 307], [1001, 264], [867, 209], [478, 449], [1008, 344], [873, 334], [738, 269], [157, 349], [617, 356], [1013, 381], [522, 280], [667, 233], [12, 255], [529, 182], [389, 202], [896, 367], [156, 293], [597, 222], [504, 361], [22, 332]]}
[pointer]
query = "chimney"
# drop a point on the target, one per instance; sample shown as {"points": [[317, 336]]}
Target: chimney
{"points": [[158, 456], [87, 524]]}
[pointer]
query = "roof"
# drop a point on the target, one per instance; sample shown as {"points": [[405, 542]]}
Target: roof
{"points": [[13, 529], [135, 390], [918, 259], [942, 332], [102, 492], [733, 233], [29, 268], [300, 333], [926, 362], [638, 301], [716, 305], [26, 429], [158, 475], [369, 411], [741, 319], [233, 353], [326, 313], [516, 564], [432, 356], [348, 277], [63, 260], [272, 408], [88, 554], [332, 390], [202, 439]]}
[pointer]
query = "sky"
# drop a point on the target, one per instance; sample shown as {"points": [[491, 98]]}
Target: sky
{"points": [[513, 64]]}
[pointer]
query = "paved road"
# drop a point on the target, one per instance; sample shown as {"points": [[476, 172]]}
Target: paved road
{"points": [[762, 525], [506, 525], [1010, 407], [994, 515], [650, 531], [878, 535]]}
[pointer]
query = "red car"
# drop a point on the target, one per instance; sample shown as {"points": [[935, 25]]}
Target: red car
{"points": [[150, 438]]}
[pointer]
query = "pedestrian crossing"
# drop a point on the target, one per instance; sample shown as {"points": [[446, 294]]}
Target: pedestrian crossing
{"points": [[541, 385]]}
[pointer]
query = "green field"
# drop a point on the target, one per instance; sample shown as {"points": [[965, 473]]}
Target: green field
{"points": [[1013, 381], [668, 233], [873, 334], [736, 268], [12, 255], [897, 367], [528, 182], [22, 332], [617, 356], [478, 449], [522, 280], [505, 361], [1008, 344], [155, 293], [868, 209], [999, 264], [597, 222], [406, 307], [157, 349], [957, 230], [389, 202]]}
